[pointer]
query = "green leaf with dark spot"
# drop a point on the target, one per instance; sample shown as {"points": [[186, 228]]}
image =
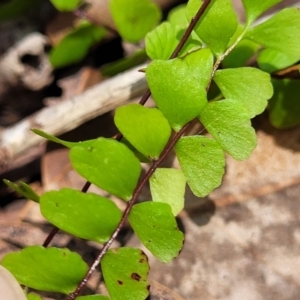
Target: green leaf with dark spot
{"points": [[88, 216], [168, 185], [74, 46], [109, 165], [217, 25], [179, 85], [66, 5], [284, 108], [156, 227], [145, 128], [254, 8], [271, 60], [23, 189], [250, 86], [281, 32], [228, 122], [202, 162], [46, 269], [134, 18], [125, 271], [163, 40]]}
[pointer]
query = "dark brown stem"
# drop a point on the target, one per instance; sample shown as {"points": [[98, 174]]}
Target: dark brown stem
{"points": [[127, 210]]}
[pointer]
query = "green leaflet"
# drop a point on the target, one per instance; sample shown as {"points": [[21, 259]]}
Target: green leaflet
{"points": [[285, 104], [87, 216], [271, 60], [134, 18], [156, 227], [217, 25], [249, 86], [93, 297], [179, 85], [47, 269], [254, 8], [125, 271], [162, 41], [202, 162], [168, 185], [105, 163], [228, 122], [240, 54], [281, 32], [74, 46], [66, 5], [23, 189], [145, 128]]}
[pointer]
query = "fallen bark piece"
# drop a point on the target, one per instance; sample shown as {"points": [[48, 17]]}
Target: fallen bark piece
{"points": [[71, 113]]}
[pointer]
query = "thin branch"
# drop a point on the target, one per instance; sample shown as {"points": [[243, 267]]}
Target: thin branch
{"points": [[127, 210]]}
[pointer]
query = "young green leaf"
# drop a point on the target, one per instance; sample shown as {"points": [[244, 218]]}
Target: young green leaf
{"points": [[145, 128], [109, 165], [179, 85], [285, 104], [134, 18], [240, 54], [23, 189], [32, 296], [228, 122], [202, 161], [162, 41], [271, 60], [125, 272], [281, 32], [74, 46], [217, 25], [250, 86], [66, 5], [168, 186], [9, 286], [88, 216], [93, 297], [156, 227], [47, 269], [254, 8]]}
